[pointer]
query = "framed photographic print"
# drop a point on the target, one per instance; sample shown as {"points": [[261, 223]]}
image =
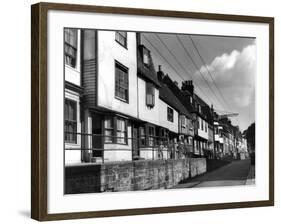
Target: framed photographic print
{"points": [[138, 111]]}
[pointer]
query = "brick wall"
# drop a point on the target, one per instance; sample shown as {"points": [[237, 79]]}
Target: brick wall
{"points": [[131, 175]]}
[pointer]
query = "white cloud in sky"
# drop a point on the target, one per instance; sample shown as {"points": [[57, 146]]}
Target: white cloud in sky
{"points": [[234, 74]]}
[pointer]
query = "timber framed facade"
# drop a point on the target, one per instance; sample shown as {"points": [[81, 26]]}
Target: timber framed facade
{"points": [[119, 108]]}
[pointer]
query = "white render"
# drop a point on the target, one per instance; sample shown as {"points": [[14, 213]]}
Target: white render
{"points": [[110, 50], [145, 113], [203, 133], [163, 114]]}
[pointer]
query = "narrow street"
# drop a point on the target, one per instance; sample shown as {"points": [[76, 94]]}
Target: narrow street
{"points": [[235, 173]]}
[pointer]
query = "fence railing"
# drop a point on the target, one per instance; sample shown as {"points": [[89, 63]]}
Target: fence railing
{"points": [[141, 147]]}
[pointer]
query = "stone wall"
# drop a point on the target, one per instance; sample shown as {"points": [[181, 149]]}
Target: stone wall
{"points": [[131, 175]]}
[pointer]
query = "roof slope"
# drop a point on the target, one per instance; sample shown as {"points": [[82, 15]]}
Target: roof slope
{"points": [[147, 72], [167, 96], [183, 97]]}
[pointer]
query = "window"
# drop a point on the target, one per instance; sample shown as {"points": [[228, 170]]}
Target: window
{"points": [[121, 82], [164, 136], [115, 130], [183, 121], [189, 140], [170, 114], [151, 135], [145, 56], [121, 131], [121, 38], [70, 47], [202, 124], [191, 100], [70, 121], [150, 94], [206, 127], [216, 130], [199, 108], [108, 130], [142, 136]]}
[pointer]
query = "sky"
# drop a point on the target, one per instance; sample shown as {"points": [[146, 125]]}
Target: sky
{"points": [[223, 69]]}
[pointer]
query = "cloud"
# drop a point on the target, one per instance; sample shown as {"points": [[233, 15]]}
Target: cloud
{"points": [[234, 74]]}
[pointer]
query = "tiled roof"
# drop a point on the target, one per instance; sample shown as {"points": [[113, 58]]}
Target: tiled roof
{"points": [[147, 72], [183, 97], [167, 95]]}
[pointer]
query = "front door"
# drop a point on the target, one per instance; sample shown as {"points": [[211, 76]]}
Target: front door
{"points": [[136, 151]]}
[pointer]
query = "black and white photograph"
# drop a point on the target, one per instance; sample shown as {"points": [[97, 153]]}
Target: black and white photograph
{"points": [[157, 111]]}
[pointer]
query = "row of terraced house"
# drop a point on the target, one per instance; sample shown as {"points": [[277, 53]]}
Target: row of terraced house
{"points": [[118, 107]]}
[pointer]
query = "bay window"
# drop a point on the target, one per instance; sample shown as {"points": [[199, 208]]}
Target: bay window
{"points": [[115, 130], [70, 121], [70, 46], [108, 130]]}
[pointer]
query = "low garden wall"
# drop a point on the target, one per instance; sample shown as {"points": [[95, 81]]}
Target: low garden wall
{"points": [[131, 175]]}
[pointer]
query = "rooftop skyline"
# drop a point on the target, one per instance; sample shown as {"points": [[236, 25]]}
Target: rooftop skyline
{"points": [[223, 69]]}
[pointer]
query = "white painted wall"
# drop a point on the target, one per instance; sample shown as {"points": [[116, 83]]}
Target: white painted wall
{"points": [[73, 75], [108, 51], [202, 133], [147, 113], [74, 156], [163, 114]]}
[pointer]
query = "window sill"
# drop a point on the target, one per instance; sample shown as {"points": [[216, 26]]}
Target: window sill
{"points": [[121, 44], [118, 98], [71, 144], [115, 143], [72, 68]]}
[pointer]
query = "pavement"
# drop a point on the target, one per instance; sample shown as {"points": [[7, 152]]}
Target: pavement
{"points": [[251, 176], [239, 172]]}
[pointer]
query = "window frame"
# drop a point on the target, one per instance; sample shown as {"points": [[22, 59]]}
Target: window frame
{"points": [[170, 114], [118, 33], [125, 131], [125, 70], [147, 137], [150, 138], [149, 90], [145, 51], [111, 129], [73, 122], [69, 45], [115, 130]]}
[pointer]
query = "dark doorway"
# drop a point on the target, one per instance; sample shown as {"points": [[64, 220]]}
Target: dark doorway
{"points": [[135, 142], [97, 135]]}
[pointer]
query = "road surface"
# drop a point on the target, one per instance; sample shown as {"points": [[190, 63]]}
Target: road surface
{"points": [[232, 174]]}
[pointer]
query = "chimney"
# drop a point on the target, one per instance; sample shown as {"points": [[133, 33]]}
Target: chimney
{"points": [[138, 38], [160, 74], [188, 85]]}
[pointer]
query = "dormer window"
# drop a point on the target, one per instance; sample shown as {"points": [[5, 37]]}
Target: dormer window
{"points": [[150, 94], [145, 56], [170, 114], [121, 38]]}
